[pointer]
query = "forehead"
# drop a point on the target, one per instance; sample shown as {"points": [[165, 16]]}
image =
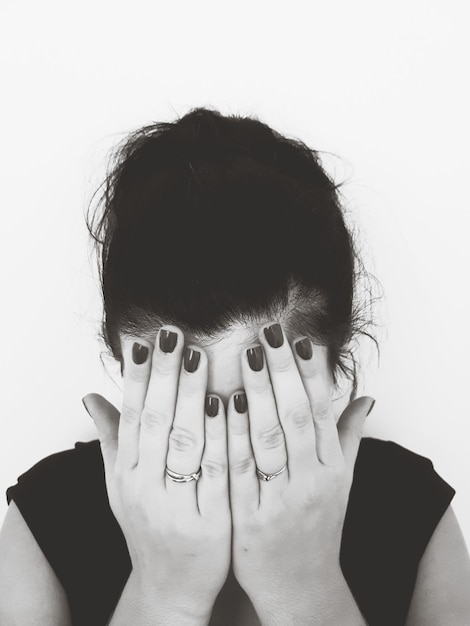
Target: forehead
{"points": [[239, 334], [224, 350]]}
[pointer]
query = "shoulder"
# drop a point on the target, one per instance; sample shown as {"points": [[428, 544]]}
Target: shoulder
{"points": [[63, 501], [66, 492], [388, 455], [397, 500], [397, 474], [75, 464], [394, 485], [59, 480]]}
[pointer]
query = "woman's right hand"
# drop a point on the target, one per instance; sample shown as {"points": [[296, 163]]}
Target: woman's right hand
{"points": [[178, 534]]}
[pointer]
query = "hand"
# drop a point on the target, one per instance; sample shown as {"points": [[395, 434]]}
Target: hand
{"points": [[178, 534], [287, 531]]}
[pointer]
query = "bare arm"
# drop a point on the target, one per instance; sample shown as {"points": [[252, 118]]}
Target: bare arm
{"points": [[442, 591], [30, 593]]}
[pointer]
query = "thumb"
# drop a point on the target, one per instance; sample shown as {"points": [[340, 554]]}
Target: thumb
{"points": [[351, 425], [106, 418]]}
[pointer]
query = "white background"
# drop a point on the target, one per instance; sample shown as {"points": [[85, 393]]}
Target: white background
{"points": [[382, 86]]}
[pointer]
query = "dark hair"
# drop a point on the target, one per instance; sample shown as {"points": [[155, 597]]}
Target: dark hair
{"points": [[213, 219]]}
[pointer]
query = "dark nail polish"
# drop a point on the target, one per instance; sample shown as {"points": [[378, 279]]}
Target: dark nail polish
{"points": [[212, 406], [168, 340], [255, 358], [371, 407], [240, 402], [274, 335], [304, 349], [191, 360], [139, 353]]}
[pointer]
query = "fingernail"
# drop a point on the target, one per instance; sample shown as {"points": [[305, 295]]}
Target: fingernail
{"points": [[240, 402], [303, 348], [255, 358], [191, 360], [86, 408], [168, 340], [274, 335], [371, 407], [212, 406], [139, 353]]}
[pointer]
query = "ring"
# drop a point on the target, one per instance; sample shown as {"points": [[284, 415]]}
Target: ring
{"points": [[182, 478], [264, 476]]}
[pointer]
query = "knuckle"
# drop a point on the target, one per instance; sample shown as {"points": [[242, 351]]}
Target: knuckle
{"points": [[243, 465], [299, 415], [272, 437], [213, 469], [129, 414], [162, 367], [215, 432], [139, 374], [153, 419], [311, 499], [183, 440], [190, 386], [261, 386], [238, 428], [321, 412], [284, 363]]}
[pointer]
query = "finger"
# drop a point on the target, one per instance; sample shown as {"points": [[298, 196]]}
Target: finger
{"points": [[312, 363], [137, 364], [106, 418], [244, 483], [212, 488], [186, 439], [160, 403], [350, 427], [292, 402], [266, 434]]}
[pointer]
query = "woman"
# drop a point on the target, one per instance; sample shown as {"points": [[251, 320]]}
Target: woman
{"points": [[227, 490]]}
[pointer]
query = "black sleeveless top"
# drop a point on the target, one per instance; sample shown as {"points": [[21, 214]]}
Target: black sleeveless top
{"points": [[395, 503]]}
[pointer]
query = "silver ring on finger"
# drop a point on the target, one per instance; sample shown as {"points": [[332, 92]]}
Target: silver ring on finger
{"points": [[264, 476], [182, 478]]}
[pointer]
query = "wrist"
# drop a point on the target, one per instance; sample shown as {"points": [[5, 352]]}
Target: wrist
{"points": [[142, 604], [334, 606]]}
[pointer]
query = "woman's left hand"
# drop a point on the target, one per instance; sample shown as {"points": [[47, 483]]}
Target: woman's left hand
{"points": [[287, 530]]}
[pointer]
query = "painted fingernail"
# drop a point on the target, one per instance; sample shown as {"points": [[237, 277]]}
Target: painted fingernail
{"points": [[212, 406], [303, 348], [371, 407], [255, 358], [191, 360], [274, 335], [240, 402], [168, 340], [139, 353]]}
